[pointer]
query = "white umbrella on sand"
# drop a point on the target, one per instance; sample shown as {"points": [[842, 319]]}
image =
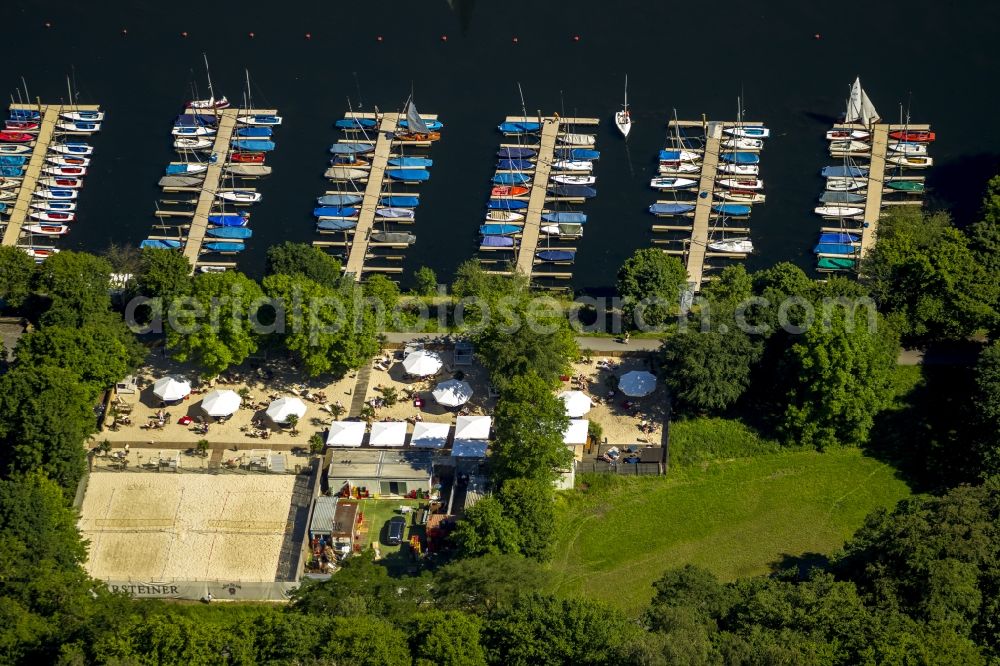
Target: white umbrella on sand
{"points": [[577, 403], [221, 403], [279, 410], [637, 383], [169, 389], [422, 363], [452, 393]]}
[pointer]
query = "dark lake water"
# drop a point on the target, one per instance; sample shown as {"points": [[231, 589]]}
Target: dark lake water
{"points": [[939, 59]]}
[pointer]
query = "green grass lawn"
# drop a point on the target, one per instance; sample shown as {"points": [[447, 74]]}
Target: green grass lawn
{"points": [[735, 518]]}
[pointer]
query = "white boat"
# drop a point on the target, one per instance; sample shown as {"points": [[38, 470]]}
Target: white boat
{"points": [[683, 156], [59, 160], [67, 171], [7, 195], [679, 167], [739, 169], [504, 216], [61, 183], [910, 162], [846, 184], [859, 108], [748, 131], [76, 149], [182, 143], [53, 216], [39, 254], [239, 196], [741, 183], [11, 149], [83, 116], [188, 168], [10, 183], [260, 120], [573, 165], [573, 139], [848, 135], [849, 146], [395, 213], [345, 173], [212, 269], [623, 119], [47, 229], [732, 246], [673, 183], [192, 131], [742, 143], [211, 102], [77, 128], [838, 211], [740, 196], [574, 230], [574, 180], [57, 206], [905, 148]]}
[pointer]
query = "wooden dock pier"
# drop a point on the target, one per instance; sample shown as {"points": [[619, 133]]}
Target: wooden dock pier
{"points": [[703, 206], [18, 213]]}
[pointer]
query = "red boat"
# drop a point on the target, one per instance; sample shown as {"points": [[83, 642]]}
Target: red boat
{"points": [[249, 158], [913, 136], [509, 191], [23, 125], [16, 137]]}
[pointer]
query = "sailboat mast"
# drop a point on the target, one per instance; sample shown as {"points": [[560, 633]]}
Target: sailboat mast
{"points": [[69, 92], [626, 93], [249, 99], [208, 75]]}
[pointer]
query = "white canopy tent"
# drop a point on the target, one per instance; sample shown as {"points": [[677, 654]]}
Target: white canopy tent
{"points": [[430, 435], [221, 402], [637, 383], [279, 410], [169, 389], [473, 427], [422, 363], [452, 393], [576, 433], [388, 433], [346, 433], [577, 403]]}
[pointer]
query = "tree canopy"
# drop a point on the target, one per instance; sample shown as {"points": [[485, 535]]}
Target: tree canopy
{"points": [[486, 529], [305, 260], [530, 421], [164, 273], [17, 270], [77, 284], [654, 276], [709, 370]]}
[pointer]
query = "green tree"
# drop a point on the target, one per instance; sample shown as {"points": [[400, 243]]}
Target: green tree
{"points": [[987, 410], [216, 331], [446, 638], [840, 375], [530, 422], [16, 272], [164, 273], [653, 276], [709, 370], [481, 584], [304, 260], [382, 290], [425, 281], [77, 284], [486, 529], [365, 640], [45, 416], [732, 286], [530, 503], [472, 281]]}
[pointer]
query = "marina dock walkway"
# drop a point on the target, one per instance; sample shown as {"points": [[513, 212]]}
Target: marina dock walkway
{"points": [[536, 201], [703, 206], [46, 132]]}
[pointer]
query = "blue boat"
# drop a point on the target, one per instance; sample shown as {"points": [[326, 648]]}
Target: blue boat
{"points": [[333, 211], [671, 208], [393, 201], [254, 132], [411, 162], [355, 123], [76, 148], [11, 171], [516, 153], [577, 154], [839, 237], [80, 126], [519, 128], [228, 220], [506, 204], [844, 172], [24, 114], [264, 119], [229, 232], [432, 125], [409, 175], [499, 229], [225, 246], [568, 217], [556, 256], [740, 158], [160, 244], [738, 210], [339, 199], [13, 160], [195, 120], [511, 179], [575, 191], [253, 145], [351, 148], [3, 207], [336, 225], [179, 170], [835, 248], [496, 241], [515, 165]]}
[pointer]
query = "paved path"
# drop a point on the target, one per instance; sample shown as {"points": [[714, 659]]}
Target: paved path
{"points": [[360, 390]]}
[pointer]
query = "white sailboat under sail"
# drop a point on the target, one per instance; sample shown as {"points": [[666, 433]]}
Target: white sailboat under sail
{"points": [[623, 119], [859, 108]]}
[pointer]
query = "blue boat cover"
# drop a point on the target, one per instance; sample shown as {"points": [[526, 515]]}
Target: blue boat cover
{"points": [[24, 114], [511, 179], [331, 211], [160, 244], [839, 237], [573, 191], [411, 162], [432, 125], [227, 220], [515, 165], [399, 201], [568, 217], [195, 120], [351, 148], [732, 209], [225, 247], [841, 197], [850, 171], [355, 123], [229, 232], [336, 225], [11, 171], [499, 229], [409, 175], [497, 241], [13, 160], [577, 154], [506, 204], [741, 158], [3, 206], [253, 145], [670, 208], [339, 199], [556, 255], [835, 248], [254, 131], [516, 153], [266, 118], [519, 128]]}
